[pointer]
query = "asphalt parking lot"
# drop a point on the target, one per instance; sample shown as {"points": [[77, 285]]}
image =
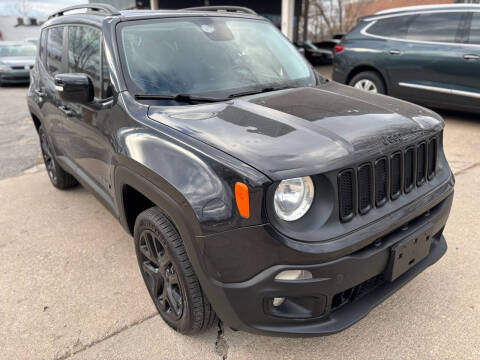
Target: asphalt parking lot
{"points": [[71, 289]]}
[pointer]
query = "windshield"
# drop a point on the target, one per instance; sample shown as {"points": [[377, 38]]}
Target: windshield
{"points": [[211, 56], [18, 50]]}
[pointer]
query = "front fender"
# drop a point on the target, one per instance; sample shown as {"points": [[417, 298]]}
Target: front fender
{"points": [[187, 175], [161, 194]]}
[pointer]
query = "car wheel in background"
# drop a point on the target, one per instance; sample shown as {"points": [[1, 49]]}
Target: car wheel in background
{"points": [[368, 81], [169, 275], [59, 177]]}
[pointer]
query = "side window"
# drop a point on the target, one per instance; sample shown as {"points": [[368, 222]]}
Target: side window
{"points": [[84, 53], [436, 27], [54, 50], [395, 27], [42, 46], [107, 90], [475, 29]]}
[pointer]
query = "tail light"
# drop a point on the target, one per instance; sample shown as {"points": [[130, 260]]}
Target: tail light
{"points": [[338, 48]]}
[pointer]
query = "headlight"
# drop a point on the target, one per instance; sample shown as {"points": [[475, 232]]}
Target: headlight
{"points": [[4, 67], [293, 198]]}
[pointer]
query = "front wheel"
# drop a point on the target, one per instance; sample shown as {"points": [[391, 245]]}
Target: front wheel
{"points": [[368, 81], [169, 275]]}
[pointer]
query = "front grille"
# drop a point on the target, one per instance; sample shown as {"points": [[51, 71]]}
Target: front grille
{"points": [[346, 185], [374, 183], [396, 175], [409, 169], [421, 162], [365, 188], [432, 158], [380, 182]]}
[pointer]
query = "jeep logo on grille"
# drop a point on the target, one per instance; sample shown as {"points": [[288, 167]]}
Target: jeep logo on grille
{"points": [[391, 139]]}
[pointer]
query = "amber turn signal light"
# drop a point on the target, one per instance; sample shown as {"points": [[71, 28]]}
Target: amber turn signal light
{"points": [[243, 201]]}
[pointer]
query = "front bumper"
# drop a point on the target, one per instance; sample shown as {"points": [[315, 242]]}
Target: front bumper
{"points": [[15, 76], [342, 291]]}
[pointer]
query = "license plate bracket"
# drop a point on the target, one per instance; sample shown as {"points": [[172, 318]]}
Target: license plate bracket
{"points": [[408, 252]]}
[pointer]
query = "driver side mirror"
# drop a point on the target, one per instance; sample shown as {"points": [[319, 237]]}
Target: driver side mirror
{"points": [[75, 88]]}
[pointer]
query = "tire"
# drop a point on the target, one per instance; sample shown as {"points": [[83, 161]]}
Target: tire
{"points": [[169, 275], [58, 177], [371, 79]]}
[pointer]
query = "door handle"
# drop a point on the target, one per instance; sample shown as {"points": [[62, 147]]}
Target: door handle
{"points": [[66, 110], [40, 93], [471, 57], [395, 52]]}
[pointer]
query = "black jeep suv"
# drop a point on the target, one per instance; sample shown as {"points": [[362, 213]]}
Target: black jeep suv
{"points": [[255, 189]]}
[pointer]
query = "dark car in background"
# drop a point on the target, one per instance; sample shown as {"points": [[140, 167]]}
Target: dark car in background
{"points": [[16, 61], [329, 44], [315, 55], [429, 55]]}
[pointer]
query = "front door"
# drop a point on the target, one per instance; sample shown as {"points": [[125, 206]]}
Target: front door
{"points": [[89, 146], [47, 96]]}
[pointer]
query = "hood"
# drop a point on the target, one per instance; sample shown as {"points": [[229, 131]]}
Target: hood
{"points": [[17, 60], [303, 131]]}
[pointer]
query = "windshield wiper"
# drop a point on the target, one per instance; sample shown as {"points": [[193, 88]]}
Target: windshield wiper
{"points": [[178, 97], [259, 91]]}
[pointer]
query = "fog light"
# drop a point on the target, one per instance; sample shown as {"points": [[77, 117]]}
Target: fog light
{"points": [[292, 275], [278, 301]]}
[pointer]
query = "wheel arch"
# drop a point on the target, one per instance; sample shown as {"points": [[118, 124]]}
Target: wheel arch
{"points": [[135, 193], [35, 112], [367, 67]]}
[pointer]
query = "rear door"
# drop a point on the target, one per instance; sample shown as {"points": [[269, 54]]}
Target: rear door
{"points": [[428, 60], [389, 53]]}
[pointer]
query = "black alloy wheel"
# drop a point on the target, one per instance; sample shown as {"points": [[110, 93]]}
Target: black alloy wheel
{"points": [[161, 276], [168, 274]]}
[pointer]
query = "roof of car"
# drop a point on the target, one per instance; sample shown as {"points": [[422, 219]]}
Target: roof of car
{"points": [[407, 10], [73, 13], [429, 7], [129, 14]]}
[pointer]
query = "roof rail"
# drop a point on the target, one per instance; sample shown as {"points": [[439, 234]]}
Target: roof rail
{"points": [[223, 8], [425, 7], [105, 8]]}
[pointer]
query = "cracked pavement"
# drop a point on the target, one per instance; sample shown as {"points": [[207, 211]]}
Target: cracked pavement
{"points": [[71, 289]]}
